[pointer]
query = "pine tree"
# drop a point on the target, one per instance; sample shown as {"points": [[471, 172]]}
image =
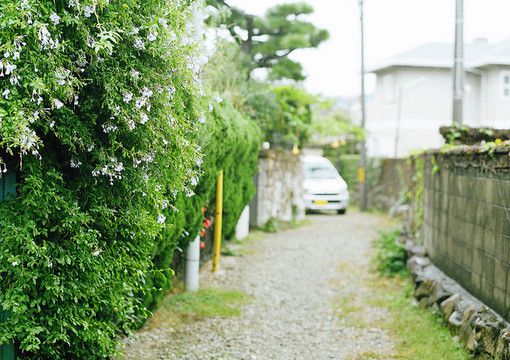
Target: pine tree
{"points": [[269, 39]]}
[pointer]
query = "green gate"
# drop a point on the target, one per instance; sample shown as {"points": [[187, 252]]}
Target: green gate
{"points": [[7, 187]]}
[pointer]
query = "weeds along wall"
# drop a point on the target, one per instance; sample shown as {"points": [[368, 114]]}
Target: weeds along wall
{"points": [[99, 113], [230, 142]]}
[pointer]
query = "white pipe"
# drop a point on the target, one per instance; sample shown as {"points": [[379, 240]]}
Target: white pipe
{"points": [[243, 224], [192, 265]]}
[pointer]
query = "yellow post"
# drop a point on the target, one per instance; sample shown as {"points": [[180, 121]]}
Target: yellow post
{"points": [[361, 175], [218, 222]]}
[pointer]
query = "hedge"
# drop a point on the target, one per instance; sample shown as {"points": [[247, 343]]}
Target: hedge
{"points": [[99, 109], [229, 141]]}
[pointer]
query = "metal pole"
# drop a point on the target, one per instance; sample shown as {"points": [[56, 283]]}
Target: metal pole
{"points": [[218, 222], [193, 265], [458, 71], [363, 150], [397, 125]]}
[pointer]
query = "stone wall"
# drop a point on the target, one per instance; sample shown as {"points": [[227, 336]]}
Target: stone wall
{"points": [[466, 222], [279, 189], [387, 179]]}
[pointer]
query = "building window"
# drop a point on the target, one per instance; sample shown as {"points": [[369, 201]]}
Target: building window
{"points": [[505, 84]]}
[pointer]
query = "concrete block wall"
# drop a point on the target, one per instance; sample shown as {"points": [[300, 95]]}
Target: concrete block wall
{"points": [[466, 228]]}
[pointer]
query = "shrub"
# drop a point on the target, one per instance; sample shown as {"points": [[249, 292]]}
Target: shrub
{"points": [[99, 105], [293, 120], [390, 258], [229, 141]]}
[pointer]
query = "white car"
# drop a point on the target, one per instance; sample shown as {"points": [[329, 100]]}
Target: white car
{"points": [[324, 188]]}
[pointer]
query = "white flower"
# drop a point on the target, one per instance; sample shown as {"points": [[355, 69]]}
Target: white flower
{"points": [[201, 120], [76, 100], [127, 96], [146, 92], [139, 44], [89, 10], [45, 38], [161, 218], [135, 31], [108, 128], [152, 36], [6, 54], [75, 163], [135, 74], [57, 103], [36, 98], [28, 139], [52, 124], [55, 19], [194, 181], [15, 263], [9, 68], [211, 107], [6, 93], [164, 204], [131, 124], [113, 170], [14, 80], [96, 252], [163, 22], [15, 56], [140, 102], [90, 41], [218, 99], [144, 118]]}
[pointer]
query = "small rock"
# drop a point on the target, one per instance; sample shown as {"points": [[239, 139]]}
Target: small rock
{"points": [[503, 346], [455, 319], [448, 305], [471, 340], [425, 289], [489, 336]]}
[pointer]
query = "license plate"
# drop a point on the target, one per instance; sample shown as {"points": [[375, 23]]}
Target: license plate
{"points": [[321, 202]]}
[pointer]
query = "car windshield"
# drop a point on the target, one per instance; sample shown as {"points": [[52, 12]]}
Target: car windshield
{"points": [[320, 171]]}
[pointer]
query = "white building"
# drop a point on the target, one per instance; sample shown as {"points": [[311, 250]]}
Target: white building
{"points": [[413, 95]]}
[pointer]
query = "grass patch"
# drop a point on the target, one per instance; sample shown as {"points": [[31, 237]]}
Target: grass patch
{"points": [[349, 309], [274, 225], [253, 236], [205, 303], [420, 334]]}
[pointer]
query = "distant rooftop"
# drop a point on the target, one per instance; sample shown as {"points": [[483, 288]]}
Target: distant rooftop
{"points": [[478, 54]]}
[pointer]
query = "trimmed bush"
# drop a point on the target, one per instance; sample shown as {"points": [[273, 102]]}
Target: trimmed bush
{"points": [[99, 108], [229, 141]]}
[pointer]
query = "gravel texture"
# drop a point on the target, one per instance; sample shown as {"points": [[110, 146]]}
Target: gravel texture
{"points": [[298, 280]]}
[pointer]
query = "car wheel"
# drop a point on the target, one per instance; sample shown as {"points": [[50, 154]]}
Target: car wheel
{"points": [[341, 211]]}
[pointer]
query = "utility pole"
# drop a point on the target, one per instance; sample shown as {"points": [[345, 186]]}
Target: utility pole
{"points": [[363, 150], [458, 70]]}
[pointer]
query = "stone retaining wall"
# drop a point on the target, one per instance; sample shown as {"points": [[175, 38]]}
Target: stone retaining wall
{"points": [[279, 189]]}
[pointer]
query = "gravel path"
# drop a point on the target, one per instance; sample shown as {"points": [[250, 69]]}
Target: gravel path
{"points": [[299, 280]]}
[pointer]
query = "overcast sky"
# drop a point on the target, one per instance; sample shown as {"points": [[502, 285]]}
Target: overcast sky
{"points": [[392, 26]]}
